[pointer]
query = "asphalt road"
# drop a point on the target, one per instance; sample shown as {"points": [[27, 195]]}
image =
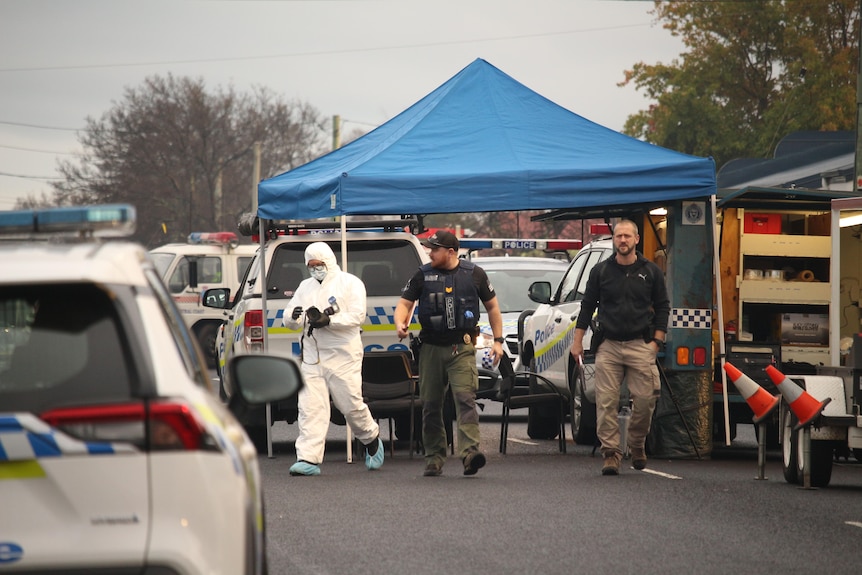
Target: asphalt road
{"points": [[536, 510]]}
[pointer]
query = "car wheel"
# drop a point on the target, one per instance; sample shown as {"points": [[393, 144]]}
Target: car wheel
{"points": [[821, 462], [582, 411], [542, 422], [207, 338], [789, 449], [257, 434], [222, 394]]}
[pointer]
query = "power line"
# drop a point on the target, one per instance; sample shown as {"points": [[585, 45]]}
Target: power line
{"points": [[46, 178], [318, 52], [39, 151], [23, 125]]}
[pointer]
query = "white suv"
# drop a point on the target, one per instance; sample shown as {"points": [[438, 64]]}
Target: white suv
{"points": [[547, 338], [383, 258], [109, 427]]}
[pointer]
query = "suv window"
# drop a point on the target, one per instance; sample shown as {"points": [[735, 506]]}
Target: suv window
{"points": [[594, 258], [575, 283], [209, 271], [384, 266], [567, 287], [61, 344], [242, 264]]}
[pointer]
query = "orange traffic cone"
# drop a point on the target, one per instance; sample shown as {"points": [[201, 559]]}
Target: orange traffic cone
{"points": [[804, 406], [761, 402]]}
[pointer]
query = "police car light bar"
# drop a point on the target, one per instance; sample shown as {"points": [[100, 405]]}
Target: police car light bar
{"points": [[115, 220], [519, 244], [214, 238], [388, 225]]}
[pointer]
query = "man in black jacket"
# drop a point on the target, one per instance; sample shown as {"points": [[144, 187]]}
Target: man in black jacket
{"points": [[633, 305]]}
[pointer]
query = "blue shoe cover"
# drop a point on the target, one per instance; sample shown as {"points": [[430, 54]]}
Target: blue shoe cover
{"points": [[375, 461], [304, 468]]}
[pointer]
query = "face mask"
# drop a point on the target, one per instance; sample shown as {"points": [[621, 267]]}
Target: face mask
{"points": [[317, 272]]}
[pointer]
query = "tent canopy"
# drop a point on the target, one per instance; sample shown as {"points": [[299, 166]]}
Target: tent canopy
{"points": [[484, 142]]}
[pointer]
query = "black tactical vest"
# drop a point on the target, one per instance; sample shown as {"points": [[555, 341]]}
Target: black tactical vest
{"points": [[449, 301]]}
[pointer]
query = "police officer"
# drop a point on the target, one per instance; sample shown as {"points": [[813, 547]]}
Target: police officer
{"points": [[449, 290]]}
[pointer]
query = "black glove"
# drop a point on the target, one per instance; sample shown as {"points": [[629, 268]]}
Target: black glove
{"points": [[316, 318], [297, 311]]}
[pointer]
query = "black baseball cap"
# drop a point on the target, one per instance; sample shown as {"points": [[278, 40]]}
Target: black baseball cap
{"points": [[442, 239]]}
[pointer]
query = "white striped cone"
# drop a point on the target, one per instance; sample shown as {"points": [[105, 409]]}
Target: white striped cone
{"points": [[804, 406], [761, 402]]}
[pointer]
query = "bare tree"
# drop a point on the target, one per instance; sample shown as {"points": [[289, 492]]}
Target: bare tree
{"points": [[185, 157]]}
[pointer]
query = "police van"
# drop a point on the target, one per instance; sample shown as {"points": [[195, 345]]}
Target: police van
{"points": [[206, 260], [379, 252]]}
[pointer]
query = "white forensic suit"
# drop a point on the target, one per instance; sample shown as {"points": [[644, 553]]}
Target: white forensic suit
{"points": [[331, 356]]}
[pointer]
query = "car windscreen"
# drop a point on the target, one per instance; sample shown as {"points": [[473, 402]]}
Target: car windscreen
{"points": [[512, 285], [383, 265], [60, 344], [162, 261]]}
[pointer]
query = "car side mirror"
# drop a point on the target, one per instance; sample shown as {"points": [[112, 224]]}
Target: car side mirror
{"points": [[540, 292], [218, 298], [259, 379]]}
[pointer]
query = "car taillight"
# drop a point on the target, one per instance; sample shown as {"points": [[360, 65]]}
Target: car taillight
{"points": [[253, 327], [159, 425]]}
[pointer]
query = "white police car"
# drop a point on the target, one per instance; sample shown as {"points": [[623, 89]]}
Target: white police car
{"points": [[115, 454], [547, 340], [511, 278]]}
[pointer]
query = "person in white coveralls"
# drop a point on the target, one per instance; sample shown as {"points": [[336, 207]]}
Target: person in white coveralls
{"points": [[329, 307]]}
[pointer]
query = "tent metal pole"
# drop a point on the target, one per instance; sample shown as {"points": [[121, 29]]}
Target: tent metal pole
{"points": [[261, 230], [349, 434], [716, 269]]}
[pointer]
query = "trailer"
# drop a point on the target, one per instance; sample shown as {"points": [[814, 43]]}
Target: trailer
{"points": [[790, 279]]}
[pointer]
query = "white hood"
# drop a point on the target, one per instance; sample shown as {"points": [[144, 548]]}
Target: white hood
{"points": [[321, 251]]}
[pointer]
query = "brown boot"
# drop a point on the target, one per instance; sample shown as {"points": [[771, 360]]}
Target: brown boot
{"points": [[611, 464], [638, 458]]}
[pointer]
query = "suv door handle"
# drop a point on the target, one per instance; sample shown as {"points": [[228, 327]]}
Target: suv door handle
{"points": [[558, 319], [574, 317]]}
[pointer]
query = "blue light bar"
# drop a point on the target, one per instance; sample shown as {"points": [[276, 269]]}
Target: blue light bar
{"points": [[17, 222], [106, 221]]}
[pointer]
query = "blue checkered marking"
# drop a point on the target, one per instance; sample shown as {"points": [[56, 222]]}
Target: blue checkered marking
{"points": [[27, 437], [686, 318]]}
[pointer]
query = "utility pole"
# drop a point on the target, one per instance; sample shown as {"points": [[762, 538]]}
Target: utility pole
{"points": [[255, 177], [336, 132]]}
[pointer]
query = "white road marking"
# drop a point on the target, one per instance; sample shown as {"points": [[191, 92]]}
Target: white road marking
{"points": [[660, 474], [854, 523], [521, 441]]}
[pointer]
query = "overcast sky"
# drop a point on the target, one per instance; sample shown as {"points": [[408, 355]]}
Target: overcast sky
{"points": [[365, 60]]}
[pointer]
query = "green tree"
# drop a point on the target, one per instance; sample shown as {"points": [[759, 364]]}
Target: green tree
{"points": [[752, 73], [184, 157]]}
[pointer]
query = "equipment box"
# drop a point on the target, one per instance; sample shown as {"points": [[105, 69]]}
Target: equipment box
{"points": [[805, 328], [762, 223], [752, 359]]}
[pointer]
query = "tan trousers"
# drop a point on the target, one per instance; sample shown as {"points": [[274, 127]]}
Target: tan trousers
{"points": [[634, 362]]}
